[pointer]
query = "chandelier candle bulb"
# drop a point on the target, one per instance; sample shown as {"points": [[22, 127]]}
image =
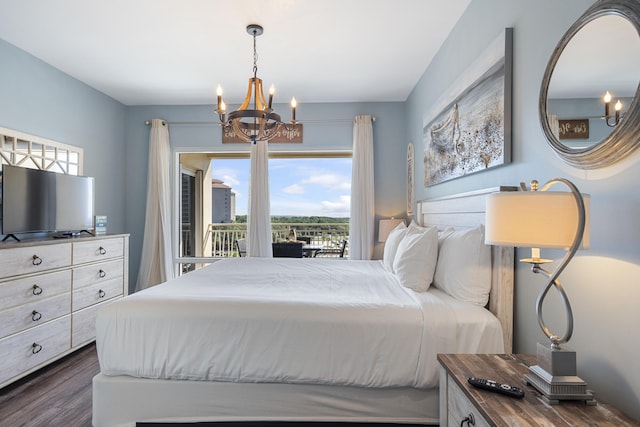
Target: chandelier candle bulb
{"points": [[219, 93], [618, 107], [272, 91], [294, 104]]}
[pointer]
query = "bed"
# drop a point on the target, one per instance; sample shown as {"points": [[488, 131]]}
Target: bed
{"points": [[302, 339]]}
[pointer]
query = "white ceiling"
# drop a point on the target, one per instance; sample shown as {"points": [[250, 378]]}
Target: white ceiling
{"points": [[176, 52]]}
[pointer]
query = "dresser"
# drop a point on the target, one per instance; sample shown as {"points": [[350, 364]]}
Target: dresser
{"points": [[464, 405], [50, 291]]}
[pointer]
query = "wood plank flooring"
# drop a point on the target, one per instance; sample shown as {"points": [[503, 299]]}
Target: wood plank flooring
{"points": [[58, 395]]}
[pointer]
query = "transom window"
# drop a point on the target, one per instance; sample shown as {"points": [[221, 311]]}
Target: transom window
{"points": [[28, 151]]}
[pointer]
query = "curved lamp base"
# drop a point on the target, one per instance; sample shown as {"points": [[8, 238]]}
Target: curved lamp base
{"points": [[555, 377]]}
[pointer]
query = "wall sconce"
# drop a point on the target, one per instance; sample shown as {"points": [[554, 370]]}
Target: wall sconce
{"points": [[617, 108], [385, 226], [545, 219]]}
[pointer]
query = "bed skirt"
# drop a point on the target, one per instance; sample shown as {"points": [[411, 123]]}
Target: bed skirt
{"points": [[122, 401]]}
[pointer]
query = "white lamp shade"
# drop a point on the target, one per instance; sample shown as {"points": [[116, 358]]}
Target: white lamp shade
{"points": [[535, 219], [385, 226]]}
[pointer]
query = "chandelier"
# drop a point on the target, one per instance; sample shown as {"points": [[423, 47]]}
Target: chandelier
{"points": [[254, 120]]}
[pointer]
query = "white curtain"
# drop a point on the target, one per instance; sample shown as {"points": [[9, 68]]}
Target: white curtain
{"points": [[156, 264], [362, 221], [259, 216]]}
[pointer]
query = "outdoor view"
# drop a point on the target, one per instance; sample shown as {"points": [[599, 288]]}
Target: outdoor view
{"points": [[309, 197], [300, 187]]}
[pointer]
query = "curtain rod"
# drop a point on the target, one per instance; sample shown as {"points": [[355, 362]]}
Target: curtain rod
{"points": [[148, 122]]}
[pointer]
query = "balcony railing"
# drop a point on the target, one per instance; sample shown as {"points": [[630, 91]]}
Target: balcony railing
{"points": [[222, 237]]}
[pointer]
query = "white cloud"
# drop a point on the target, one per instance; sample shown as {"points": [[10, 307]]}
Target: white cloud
{"points": [[227, 175], [341, 207], [329, 180], [294, 189]]}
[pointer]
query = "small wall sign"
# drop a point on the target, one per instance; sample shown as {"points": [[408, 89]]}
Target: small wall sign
{"points": [[574, 129], [288, 134]]}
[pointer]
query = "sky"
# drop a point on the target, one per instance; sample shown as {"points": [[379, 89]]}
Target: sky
{"points": [[298, 186]]}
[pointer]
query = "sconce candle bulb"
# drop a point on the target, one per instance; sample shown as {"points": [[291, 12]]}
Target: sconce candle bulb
{"points": [[607, 101], [607, 110]]}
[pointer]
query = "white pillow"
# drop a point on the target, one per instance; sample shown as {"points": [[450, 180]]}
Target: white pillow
{"points": [[391, 245], [464, 266], [416, 258], [415, 228]]}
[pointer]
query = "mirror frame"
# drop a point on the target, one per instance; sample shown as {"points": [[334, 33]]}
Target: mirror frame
{"points": [[625, 138]]}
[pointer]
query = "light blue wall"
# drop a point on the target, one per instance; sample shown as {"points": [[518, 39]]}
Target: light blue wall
{"points": [[389, 151], [602, 283], [37, 99]]}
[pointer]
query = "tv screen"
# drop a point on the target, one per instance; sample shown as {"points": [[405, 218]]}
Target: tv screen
{"points": [[41, 201]]}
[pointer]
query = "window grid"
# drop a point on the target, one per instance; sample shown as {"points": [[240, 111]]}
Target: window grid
{"points": [[19, 149]]}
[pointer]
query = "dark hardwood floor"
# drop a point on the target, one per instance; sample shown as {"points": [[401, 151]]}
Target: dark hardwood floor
{"points": [[58, 395]]}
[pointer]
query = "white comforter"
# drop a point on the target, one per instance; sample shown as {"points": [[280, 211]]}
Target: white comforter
{"points": [[290, 320]]}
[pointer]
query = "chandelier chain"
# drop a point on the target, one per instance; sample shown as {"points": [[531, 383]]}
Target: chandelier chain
{"points": [[255, 56]]}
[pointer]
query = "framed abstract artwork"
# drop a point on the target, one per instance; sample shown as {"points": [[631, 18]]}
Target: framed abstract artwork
{"points": [[468, 129]]}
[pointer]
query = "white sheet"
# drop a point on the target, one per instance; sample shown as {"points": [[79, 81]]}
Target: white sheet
{"points": [[288, 320]]}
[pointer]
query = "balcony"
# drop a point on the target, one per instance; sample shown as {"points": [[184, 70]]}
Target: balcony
{"points": [[220, 238]]}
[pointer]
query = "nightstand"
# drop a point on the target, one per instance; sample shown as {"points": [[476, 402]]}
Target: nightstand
{"points": [[459, 400]]}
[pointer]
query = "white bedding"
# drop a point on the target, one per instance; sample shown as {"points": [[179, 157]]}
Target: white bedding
{"points": [[307, 321]]}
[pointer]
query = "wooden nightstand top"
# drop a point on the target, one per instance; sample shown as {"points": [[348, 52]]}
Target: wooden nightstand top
{"points": [[505, 411]]}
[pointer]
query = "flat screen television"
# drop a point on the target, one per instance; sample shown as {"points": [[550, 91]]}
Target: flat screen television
{"points": [[34, 200]]}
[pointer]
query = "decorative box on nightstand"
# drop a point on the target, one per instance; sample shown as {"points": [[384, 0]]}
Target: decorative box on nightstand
{"points": [[460, 401]]}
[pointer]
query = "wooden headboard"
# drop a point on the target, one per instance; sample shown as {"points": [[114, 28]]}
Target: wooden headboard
{"points": [[467, 210]]}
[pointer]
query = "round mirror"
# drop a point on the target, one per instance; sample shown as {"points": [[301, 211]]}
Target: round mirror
{"points": [[589, 99]]}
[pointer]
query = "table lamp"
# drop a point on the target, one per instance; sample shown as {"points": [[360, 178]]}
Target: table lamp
{"points": [[385, 226], [545, 219]]}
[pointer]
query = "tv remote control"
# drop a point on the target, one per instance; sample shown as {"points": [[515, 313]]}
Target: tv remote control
{"points": [[495, 387]]}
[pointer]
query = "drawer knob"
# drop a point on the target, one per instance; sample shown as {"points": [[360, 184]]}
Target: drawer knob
{"points": [[37, 290], [36, 348], [102, 273], [468, 421], [35, 316], [101, 293], [36, 260], [102, 251]]}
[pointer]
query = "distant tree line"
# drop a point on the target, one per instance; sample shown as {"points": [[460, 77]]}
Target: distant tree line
{"points": [[298, 219]]}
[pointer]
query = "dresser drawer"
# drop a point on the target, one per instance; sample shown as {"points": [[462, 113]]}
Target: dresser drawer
{"points": [[97, 250], [34, 259], [35, 313], [33, 347], [83, 323], [34, 288], [89, 295], [460, 407], [96, 273]]}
